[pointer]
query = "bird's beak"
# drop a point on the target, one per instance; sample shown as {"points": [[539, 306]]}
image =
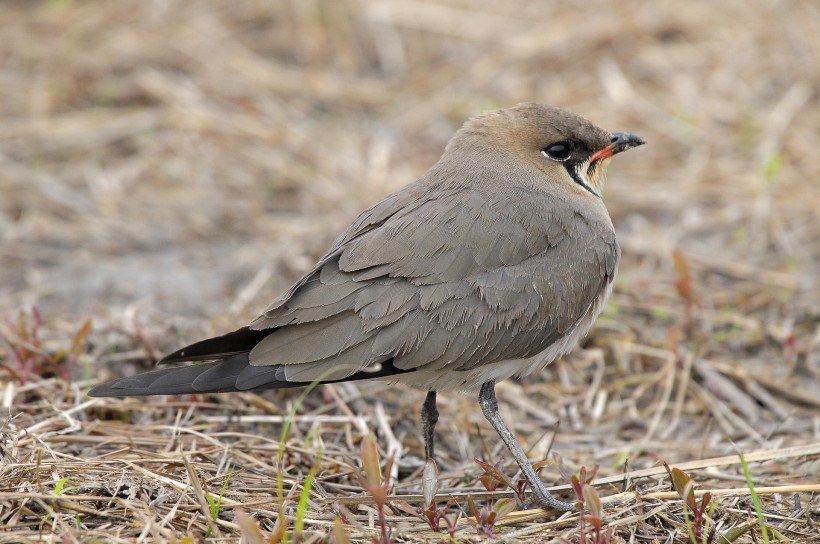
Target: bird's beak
{"points": [[621, 141]]}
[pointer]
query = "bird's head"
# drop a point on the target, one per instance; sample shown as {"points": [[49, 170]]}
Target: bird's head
{"points": [[564, 146]]}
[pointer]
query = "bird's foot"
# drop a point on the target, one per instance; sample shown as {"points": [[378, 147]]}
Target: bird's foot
{"points": [[541, 498]]}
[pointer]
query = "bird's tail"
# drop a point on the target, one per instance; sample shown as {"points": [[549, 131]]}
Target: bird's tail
{"points": [[214, 377], [232, 374], [228, 370]]}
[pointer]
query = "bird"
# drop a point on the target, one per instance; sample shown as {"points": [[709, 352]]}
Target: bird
{"points": [[491, 265]]}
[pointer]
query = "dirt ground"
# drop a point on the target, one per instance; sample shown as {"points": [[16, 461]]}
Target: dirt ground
{"points": [[168, 167]]}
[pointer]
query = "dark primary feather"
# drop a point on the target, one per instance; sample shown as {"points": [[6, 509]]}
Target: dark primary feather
{"points": [[220, 347]]}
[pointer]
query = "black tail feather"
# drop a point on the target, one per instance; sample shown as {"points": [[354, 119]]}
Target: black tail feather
{"points": [[216, 377], [168, 381]]}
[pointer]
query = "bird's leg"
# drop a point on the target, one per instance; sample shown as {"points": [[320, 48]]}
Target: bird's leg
{"points": [[542, 497], [429, 417]]}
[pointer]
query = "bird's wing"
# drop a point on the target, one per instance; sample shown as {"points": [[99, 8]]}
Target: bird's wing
{"points": [[463, 280]]}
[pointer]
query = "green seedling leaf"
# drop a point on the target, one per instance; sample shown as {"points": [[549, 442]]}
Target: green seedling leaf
{"points": [[502, 507], [59, 487], [690, 528], [771, 166], [732, 534], [755, 499], [684, 486], [301, 509], [216, 504], [621, 459], [593, 502], [280, 454]]}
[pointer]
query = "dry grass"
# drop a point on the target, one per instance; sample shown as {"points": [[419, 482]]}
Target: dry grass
{"points": [[167, 167]]}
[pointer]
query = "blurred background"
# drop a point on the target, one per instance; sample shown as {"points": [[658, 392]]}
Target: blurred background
{"points": [[188, 160], [167, 167]]}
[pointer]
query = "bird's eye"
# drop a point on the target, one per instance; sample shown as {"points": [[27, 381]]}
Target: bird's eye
{"points": [[558, 152]]}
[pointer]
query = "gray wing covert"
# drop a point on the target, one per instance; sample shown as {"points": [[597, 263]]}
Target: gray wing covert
{"points": [[464, 280]]}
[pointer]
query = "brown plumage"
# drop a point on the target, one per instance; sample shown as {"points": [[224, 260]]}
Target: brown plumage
{"points": [[492, 264]]}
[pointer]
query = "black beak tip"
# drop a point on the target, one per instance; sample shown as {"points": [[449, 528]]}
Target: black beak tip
{"points": [[625, 140]]}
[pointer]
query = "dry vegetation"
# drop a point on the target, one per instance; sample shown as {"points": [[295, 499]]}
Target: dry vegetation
{"points": [[167, 167]]}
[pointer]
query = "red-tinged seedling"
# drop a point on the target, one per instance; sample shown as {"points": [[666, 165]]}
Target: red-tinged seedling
{"points": [[375, 484], [451, 520], [595, 518], [591, 523], [685, 487], [430, 513], [579, 481], [521, 488], [340, 535], [492, 478], [487, 516], [684, 285], [684, 282], [27, 357]]}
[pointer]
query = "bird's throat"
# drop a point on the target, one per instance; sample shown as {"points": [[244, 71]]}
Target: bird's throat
{"points": [[590, 179], [596, 174]]}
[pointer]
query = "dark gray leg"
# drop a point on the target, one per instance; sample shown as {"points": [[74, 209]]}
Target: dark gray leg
{"points": [[540, 495], [429, 417]]}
